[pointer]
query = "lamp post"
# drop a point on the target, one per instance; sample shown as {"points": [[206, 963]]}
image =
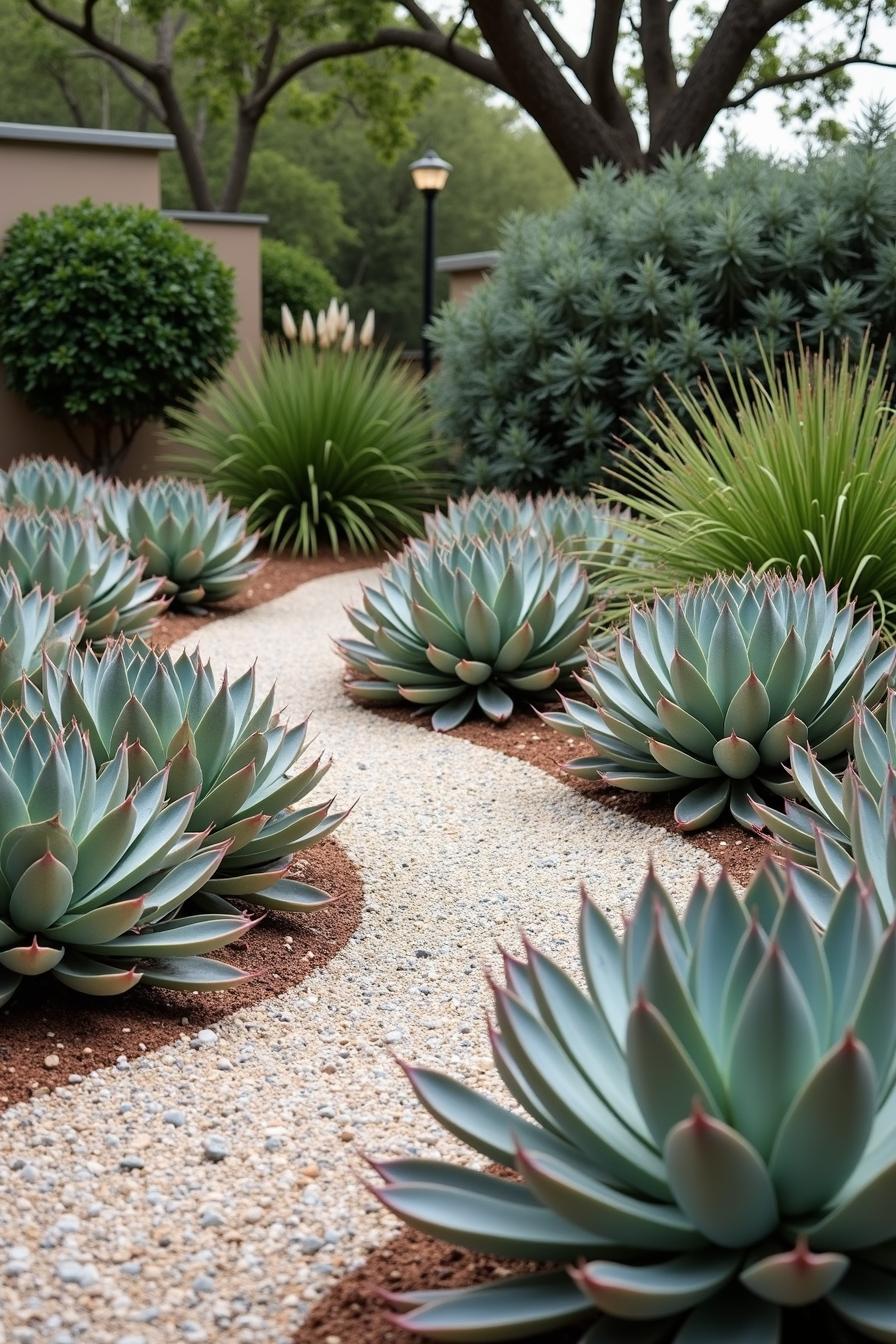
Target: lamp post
{"points": [[429, 175]]}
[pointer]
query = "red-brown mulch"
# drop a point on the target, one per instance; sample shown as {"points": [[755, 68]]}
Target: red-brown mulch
{"points": [[44, 1018], [281, 573]]}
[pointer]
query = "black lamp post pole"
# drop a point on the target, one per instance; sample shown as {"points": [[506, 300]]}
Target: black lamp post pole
{"points": [[429, 263]]}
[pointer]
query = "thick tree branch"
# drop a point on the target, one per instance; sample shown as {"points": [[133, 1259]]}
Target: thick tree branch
{"points": [[432, 43], [577, 132], [660, 76], [88, 33], [599, 75], [565, 50]]}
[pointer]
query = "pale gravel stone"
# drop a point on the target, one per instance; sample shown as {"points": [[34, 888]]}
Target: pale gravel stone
{"points": [[459, 848]]}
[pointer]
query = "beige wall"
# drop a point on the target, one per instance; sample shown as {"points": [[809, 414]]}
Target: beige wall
{"points": [[41, 172], [462, 283]]}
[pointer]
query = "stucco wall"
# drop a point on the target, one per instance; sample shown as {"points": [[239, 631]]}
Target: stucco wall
{"points": [[44, 166]]}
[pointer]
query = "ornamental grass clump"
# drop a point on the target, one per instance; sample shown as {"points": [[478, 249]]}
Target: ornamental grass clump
{"points": [[95, 872], [793, 468], [571, 522], [704, 1134], [218, 740], [319, 447], [837, 822], [84, 570], [481, 624], [707, 689], [194, 543]]}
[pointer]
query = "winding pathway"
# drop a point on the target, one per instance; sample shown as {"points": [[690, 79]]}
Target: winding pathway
{"points": [[209, 1190]]}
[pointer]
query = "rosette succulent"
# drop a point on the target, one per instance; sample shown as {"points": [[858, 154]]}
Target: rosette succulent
{"points": [[30, 633], [571, 522], [219, 740], [94, 872], [193, 542], [484, 622], [708, 688], [841, 821], [704, 1134], [47, 483], [69, 558]]}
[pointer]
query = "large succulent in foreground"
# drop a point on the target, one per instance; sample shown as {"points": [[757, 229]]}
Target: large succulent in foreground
{"points": [[69, 558], [220, 740], [458, 625], [93, 872], [707, 690], [47, 483], [705, 1136], [842, 821], [571, 522], [192, 541], [30, 633]]}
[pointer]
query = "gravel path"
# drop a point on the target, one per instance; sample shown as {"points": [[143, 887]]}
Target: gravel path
{"points": [[208, 1190]]}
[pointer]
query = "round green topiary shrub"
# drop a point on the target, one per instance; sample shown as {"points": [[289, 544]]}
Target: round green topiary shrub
{"points": [[111, 315], [289, 275], [640, 280]]}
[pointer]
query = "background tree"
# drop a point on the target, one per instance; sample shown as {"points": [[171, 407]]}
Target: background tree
{"points": [[631, 95]]}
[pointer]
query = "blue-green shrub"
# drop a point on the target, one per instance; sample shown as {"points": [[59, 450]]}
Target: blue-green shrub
{"points": [[643, 279]]}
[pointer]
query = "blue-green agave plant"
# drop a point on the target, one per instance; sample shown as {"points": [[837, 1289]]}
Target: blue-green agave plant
{"points": [[48, 483], [570, 522], [843, 820], [69, 558], [703, 1131], [194, 542], [457, 626], [707, 690], [220, 740], [94, 873], [30, 634]]}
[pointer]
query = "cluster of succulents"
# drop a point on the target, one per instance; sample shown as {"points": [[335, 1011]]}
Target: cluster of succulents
{"points": [[465, 624], [69, 557], [707, 690], [41, 483], [95, 872], [571, 522], [703, 1131], [220, 742], [193, 543]]}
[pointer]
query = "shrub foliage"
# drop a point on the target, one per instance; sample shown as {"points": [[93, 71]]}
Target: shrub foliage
{"points": [[289, 275], [648, 278], [111, 315]]}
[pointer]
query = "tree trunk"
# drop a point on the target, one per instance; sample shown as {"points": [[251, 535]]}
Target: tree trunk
{"points": [[576, 132], [238, 170]]}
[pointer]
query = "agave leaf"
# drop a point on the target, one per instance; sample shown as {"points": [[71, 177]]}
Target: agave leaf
{"points": [[825, 1131], [508, 1309], [795, 1278], [720, 1181], [735, 1316], [865, 1300], [647, 1292], [665, 1079]]}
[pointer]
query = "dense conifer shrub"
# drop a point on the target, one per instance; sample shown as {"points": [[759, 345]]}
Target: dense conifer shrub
{"points": [[637, 281]]}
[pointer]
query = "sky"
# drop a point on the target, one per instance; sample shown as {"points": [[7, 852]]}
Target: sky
{"points": [[759, 124]]}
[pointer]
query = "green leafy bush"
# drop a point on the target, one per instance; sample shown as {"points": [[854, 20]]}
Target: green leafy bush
{"points": [[703, 1132], [466, 625], [796, 470], [112, 314], [639, 279], [289, 275], [706, 691], [318, 446]]}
